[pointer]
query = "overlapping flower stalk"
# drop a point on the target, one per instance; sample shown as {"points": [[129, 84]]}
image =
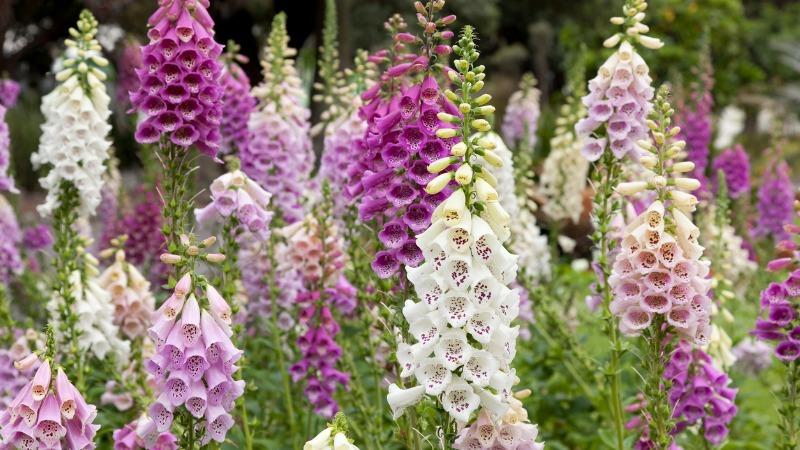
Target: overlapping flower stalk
{"points": [[735, 165], [237, 102], [317, 250], [700, 397], [195, 359], [730, 271], [775, 202], [780, 308], [74, 147], [48, 412], [339, 92], [141, 434], [389, 175], [694, 120], [9, 91], [513, 431], [462, 324], [564, 172], [97, 334], [6, 181], [142, 225], [618, 102], [179, 96], [521, 119], [128, 62], [12, 379], [10, 260], [279, 156], [659, 282]]}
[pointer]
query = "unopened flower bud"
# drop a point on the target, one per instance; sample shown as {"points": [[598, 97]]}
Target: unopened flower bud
{"points": [[445, 133], [687, 184], [169, 258], [464, 174], [617, 20], [486, 193], [486, 175], [437, 184], [481, 125], [464, 108], [648, 161], [650, 42], [612, 41], [215, 257], [477, 86], [483, 99], [631, 187], [193, 250], [440, 164], [458, 149], [444, 117], [209, 241], [683, 167], [492, 158]]}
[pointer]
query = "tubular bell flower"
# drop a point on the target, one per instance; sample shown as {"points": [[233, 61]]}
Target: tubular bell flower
{"points": [[464, 341], [522, 115], [195, 359], [334, 436], [179, 93], [620, 96], [775, 201], [390, 175], [279, 156], [73, 143], [48, 412], [237, 102]]}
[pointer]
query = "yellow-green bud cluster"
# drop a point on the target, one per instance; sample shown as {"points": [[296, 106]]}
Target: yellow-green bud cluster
{"points": [[84, 56]]}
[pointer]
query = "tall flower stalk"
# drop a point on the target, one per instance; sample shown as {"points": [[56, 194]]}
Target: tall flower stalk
{"points": [[464, 341], [618, 102], [74, 147], [780, 307], [179, 96]]}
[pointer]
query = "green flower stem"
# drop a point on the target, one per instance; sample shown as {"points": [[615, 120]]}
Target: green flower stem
{"points": [[606, 206], [790, 408], [66, 263], [6, 321], [178, 168], [655, 387]]}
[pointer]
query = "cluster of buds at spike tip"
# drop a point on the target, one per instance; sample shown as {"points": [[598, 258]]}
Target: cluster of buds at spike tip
{"points": [[191, 251], [658, 270], [84, 59], [632, 26], [469, 160]]}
